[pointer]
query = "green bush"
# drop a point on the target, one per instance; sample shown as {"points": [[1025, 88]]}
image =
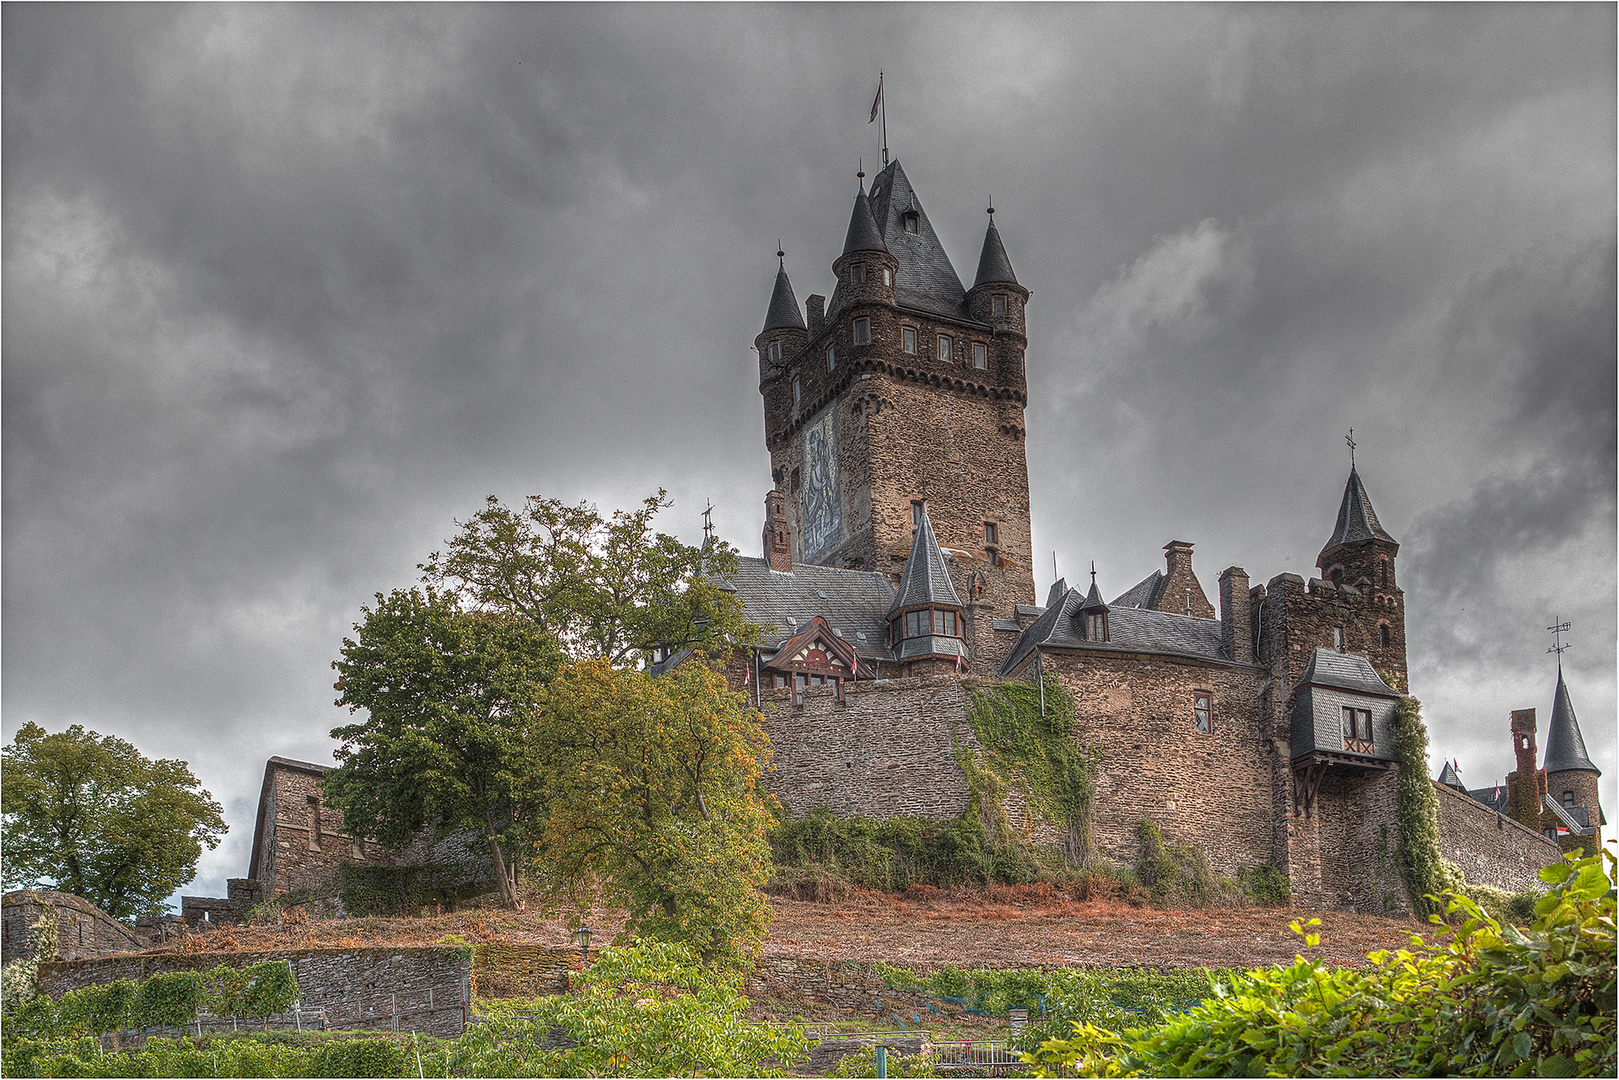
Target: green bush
{"points": [[895, 853], [863, 1062], [1483, 1001], [172, 999], [1114, 997], [1266, 884], [1177, 873], [367, 889]]}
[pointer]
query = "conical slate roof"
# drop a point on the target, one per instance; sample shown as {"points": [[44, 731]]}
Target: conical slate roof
{"points": [[1450, 777], [926, 280], [783, 313], [993, 265], [926, 581], [863, 234], [1565, 746], [1093, 599], [1356, 519]]}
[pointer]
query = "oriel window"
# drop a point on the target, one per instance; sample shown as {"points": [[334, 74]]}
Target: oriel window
{"points": [[1358, 729], [1202, 714], [944, 622]]}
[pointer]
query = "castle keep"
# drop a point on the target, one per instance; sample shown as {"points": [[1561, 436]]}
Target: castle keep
{"points": [[896, 580], [896, 576]]}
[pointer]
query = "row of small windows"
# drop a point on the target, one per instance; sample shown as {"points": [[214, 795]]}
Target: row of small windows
{"points": [[916, 624], [946, 347], [857, 274]]}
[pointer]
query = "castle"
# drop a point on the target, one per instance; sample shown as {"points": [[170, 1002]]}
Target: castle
{"points": [[896, 578]]}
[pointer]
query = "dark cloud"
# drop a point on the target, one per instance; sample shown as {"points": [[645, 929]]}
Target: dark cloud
{"points": [[287, 290]]}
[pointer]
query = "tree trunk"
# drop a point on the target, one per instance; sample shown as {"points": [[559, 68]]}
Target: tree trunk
{"points": [[506, 876]]}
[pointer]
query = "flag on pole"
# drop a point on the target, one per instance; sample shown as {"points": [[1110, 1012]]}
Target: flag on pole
{"points": [[854, 669], [961, 659], [747, 676], [876, 102]]}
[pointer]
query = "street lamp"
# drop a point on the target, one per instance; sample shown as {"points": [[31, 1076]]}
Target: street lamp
{"points": [[581, 938]]}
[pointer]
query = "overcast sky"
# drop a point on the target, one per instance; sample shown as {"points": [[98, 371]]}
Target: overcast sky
{"points": [[287, 290]]}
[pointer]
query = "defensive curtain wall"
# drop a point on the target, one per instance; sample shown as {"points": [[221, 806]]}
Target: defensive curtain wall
{"points": [[426, 989], [82, 929]]}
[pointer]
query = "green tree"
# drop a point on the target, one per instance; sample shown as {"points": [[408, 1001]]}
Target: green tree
{"points": [[450, 698], [90, 815], [603, 588], [652, 790]]}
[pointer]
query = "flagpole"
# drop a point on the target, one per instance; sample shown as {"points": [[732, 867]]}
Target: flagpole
{"points": [[882, 99]]}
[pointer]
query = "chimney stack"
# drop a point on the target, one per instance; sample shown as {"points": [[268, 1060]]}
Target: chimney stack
{"points": [[1523, 786], [778, 542], [1236, 614], [815, 310]]}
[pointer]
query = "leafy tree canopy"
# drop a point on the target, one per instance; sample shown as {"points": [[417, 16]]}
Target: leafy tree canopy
{"points": [[450, 698], [652, 792], [90, 815], [603, 588]]}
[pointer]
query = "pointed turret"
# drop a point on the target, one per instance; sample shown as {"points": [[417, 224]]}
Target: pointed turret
{"points": [[783, 313], [1565, 746], [785, 334], [1450, 777], [863, 233], [926, 580], [1092, 613], [993, 265], [1357, 521]]}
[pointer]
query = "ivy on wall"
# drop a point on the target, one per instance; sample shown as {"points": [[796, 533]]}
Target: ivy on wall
{"points": [[1028, 739], [1426, 871], [167, 999]]}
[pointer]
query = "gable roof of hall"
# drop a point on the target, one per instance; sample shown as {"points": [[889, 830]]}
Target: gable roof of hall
{"points": [[1357, 520], [853, 603], [926, 580], [1140, 630], [926, 280], [1565, 746], [1142, 594]]}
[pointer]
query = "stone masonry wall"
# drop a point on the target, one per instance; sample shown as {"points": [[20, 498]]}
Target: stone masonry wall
{"points": [[886, 749], [1490, 848], [405, 989], [82, 929], [1359, 838], [1212, 790]]}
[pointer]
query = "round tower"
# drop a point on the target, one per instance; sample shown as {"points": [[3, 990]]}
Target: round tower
{"points": [[866, 270], [996, 297]]}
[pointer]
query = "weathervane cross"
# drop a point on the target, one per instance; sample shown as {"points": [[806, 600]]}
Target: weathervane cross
{"points": [[1558, 629], [708, 521], [1350, 439]]}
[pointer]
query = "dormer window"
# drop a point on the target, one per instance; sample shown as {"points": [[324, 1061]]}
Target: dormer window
{"points": [[907, 340], [1096, 626], [831, 358], [775, 352], [944, 349], [997, 305], [912, 221], [798, 392], [858, 273], [862, 331], [980, 356]]}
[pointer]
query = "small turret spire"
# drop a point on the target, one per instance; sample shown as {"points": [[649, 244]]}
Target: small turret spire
{"points": [[784, 313], [863, 233], [993, 265]]}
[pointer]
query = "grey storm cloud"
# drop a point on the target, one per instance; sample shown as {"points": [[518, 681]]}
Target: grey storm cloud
{"points": [[287, 290]]}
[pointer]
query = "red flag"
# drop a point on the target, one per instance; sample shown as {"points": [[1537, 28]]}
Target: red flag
{"points": [[747, 676], [960, 661], [876, 101], [855, 669]]}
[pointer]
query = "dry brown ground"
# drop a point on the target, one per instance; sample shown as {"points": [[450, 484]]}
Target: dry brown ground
{"points": [[1004, 926]]}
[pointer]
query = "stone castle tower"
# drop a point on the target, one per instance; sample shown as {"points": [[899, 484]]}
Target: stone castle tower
{"points": [[905, 390]]}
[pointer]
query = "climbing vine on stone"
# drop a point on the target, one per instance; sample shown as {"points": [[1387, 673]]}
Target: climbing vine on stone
{"points": [[1426, 870], [1035, 745]]}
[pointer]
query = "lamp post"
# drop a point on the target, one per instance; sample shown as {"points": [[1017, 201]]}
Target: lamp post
{"points": [[581, 938]]}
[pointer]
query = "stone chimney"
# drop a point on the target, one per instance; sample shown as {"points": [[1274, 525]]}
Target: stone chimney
{"points": [[815, 310], [1179, 591], [1524, 785], [777, 541], [1236, 615]]}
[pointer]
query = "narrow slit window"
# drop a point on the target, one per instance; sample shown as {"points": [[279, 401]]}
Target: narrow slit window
{"points": [[798, 392], [859, 272], [916, 514], [998, 305], [831, 358], [775, 352], [862, 331], [980, 356], [1338, 638], [944, 349], [907, 338], [888, 276], [991, 533], [1383, 634]]}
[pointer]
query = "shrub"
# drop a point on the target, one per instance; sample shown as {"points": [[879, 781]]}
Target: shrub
{"points": [[863, 1062], [1484, 1001]]}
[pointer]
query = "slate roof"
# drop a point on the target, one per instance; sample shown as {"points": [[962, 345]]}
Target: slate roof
{"points": [[854, 603], [1344, 671], [993, 265], [1451, 778], [1496, 798], [926, 580], [1356, 519], [926, 280], [784, 313], [1142, 593], [1574, 818], [863, 234], [1565, 746], [1129, 630]]}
